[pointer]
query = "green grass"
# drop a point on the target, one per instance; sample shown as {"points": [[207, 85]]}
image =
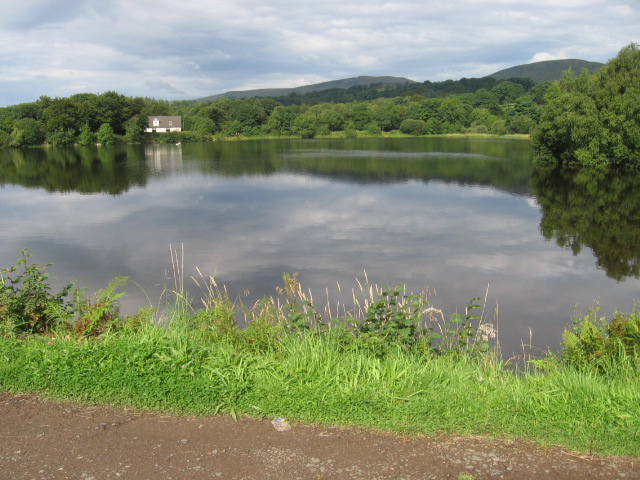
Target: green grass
{"points": [[365, 134], [377, 369], [314, 378]]}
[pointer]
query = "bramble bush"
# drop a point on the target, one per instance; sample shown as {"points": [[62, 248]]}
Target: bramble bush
{"points": [[26, 298], [596, 343], [27, 304]]}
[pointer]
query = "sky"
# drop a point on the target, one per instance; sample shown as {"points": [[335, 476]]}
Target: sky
{"points": [[188, 49]]}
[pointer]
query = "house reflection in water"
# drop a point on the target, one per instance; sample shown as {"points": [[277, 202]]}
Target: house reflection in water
{"points": [[164, 157]]}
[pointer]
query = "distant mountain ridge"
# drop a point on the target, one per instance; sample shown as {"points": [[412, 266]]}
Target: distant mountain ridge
{"points": [[280, 92], [546, 71], [539, 72]]}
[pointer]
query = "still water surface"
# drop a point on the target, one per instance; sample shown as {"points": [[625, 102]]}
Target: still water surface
{"points": [[453, 215]]}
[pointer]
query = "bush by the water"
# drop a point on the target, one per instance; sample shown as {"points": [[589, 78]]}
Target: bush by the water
{"points": [[593, 120]]}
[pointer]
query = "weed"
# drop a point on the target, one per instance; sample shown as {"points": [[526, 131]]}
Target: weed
{"points": [[26, 302], [144, 317], [265, 326], [596, 343], [218, 313], [396, 318], [100, 312], [298, 309]]}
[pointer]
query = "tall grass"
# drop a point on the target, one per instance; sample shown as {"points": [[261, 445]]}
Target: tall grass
{"points": [[401, 365]]}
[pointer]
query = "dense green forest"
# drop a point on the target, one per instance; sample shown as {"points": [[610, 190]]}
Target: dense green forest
{"points": [[585, 120], [477, 105]]}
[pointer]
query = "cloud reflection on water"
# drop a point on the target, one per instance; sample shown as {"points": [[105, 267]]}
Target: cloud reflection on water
{"points": [[249, 229]]}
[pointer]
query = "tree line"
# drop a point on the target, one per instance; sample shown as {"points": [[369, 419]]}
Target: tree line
{"points": [[463, 106], [588, 120]]}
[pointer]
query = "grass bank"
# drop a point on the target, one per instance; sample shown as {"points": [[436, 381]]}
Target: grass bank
{"points": [[401, 365], [365, 134]]}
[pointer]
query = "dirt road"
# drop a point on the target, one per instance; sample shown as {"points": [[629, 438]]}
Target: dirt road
{"points": [[46, 440]]}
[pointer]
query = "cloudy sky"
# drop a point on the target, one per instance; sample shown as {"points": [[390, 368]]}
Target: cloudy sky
{"points": [[192, 48]]}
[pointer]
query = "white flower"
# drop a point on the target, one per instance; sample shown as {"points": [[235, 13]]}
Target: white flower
{"points": [[486, 331]]}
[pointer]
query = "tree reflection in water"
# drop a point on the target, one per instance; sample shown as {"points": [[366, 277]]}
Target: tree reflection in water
{"points": [[599, 210]]}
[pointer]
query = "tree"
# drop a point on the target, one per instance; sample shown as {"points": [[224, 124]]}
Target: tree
{"points": [[280, 121], [5, 139], [332, 119], [483, 98], [434, 126], [499, 127], [248, 113], [61, 137], [106, 135], [482, 117], [61, 121], [520, 124], [522, 115], [86, 136], [203, 125], [593, 121], [135, 128], [411, 126], [539, 91], [26, 110], [507, 91], [214, 113], [26, 132], [6, 121], [115, 109], [360, 116], [388, 115], [524, 105], [305, 125], [454, 114]]}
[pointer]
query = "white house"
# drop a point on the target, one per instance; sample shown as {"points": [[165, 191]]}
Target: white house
{"points": [[164, 123]]}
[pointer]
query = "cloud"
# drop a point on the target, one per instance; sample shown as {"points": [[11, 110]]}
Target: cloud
{"points": [[201, 48], [621, 10], [31, 14], [545, 56], [157, 86]]}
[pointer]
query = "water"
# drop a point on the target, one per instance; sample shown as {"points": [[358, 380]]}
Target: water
{"points": [[457, 216]]}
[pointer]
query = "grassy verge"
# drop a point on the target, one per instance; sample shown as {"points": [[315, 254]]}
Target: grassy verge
{"points": [[365, 134], [380, 371]]}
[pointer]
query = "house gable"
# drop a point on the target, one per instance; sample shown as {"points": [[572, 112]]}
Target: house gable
{"points": [[164, 123]]}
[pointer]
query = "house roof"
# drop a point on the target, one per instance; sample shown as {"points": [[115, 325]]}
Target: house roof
{"points": [[165, 121]]}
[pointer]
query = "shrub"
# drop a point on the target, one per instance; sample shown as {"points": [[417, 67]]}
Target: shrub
{"points": [[412, 126], [100, 312], [594, 342], [106, 135], [25, 298], [478, 128], [373, 129]]}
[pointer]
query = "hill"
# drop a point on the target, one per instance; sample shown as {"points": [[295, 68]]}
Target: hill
{"points": [[546, 71], [281, 92]]}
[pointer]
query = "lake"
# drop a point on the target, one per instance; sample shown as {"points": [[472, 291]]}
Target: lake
{"points": [[458, 216]]}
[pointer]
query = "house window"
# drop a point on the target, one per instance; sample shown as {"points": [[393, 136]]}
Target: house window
{"points": [[171, 123], [156, 122]]}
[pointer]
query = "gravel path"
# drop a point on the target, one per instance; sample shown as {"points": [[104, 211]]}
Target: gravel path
{"points": [[47, 440]]}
